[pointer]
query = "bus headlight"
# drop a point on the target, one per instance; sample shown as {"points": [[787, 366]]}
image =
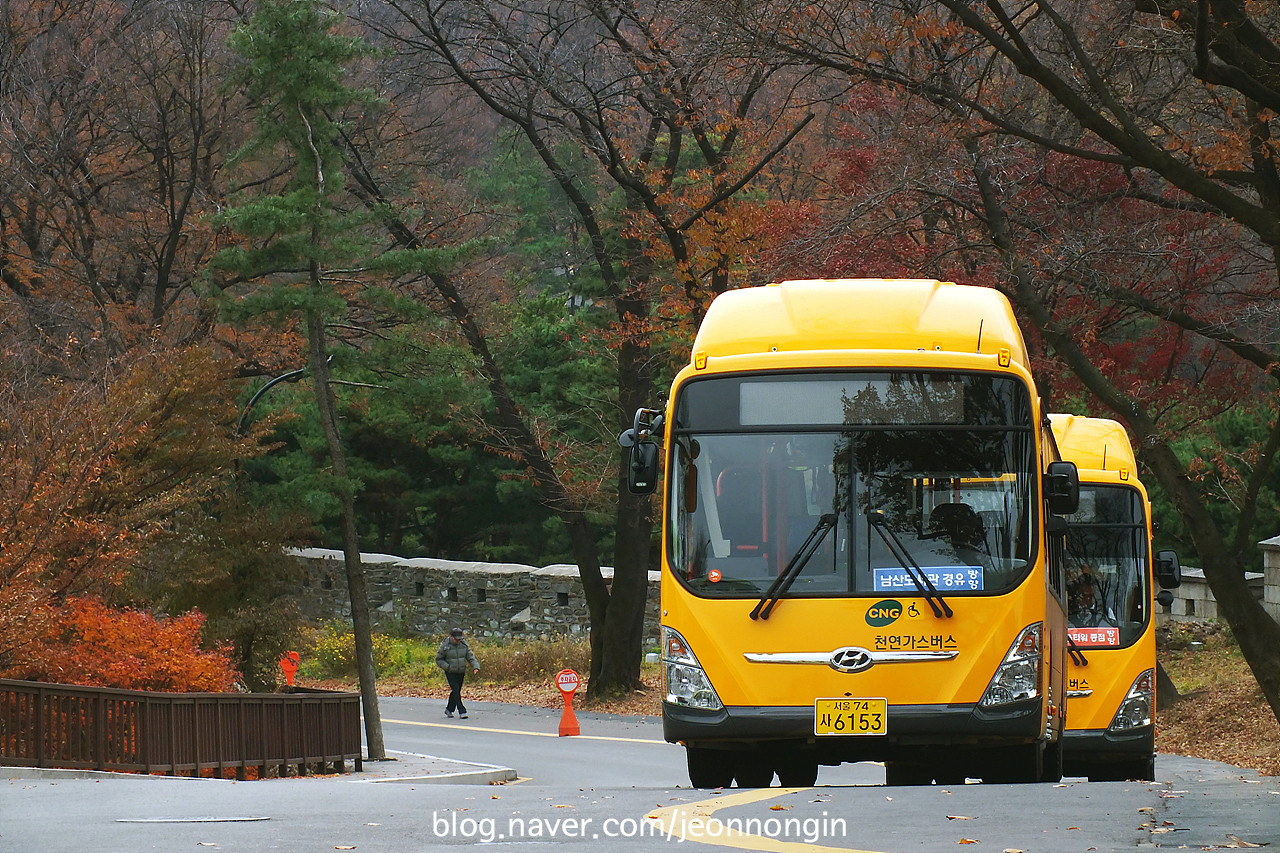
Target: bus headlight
{"points": [[1018, 677], [1135, 710], [683, 678]]}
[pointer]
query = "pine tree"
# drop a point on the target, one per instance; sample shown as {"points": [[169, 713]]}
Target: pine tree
{"points": [[294, 74]]}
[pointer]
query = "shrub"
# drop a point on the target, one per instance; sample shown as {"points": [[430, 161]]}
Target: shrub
{"points": [[533, 660], [334, 651], [94, 645]]}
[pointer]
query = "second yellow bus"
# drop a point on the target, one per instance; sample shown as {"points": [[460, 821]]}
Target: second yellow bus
{"points": [[1111, 692]]}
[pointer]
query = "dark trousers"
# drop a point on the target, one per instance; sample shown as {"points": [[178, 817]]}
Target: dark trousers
{"points": [[455, 692]]}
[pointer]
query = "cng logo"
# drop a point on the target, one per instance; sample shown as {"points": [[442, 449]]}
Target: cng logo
{"points": [[884, 612]]}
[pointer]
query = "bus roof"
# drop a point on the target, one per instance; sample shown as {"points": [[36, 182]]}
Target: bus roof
{"points": [[861, 314], [1094, 444]]}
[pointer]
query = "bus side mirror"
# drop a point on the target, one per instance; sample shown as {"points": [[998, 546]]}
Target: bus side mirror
{"points": [[1168, 570], [642, 468], [642, 455], [1062, 487]]}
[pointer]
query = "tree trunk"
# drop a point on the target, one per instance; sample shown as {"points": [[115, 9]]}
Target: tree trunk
{"points": [[1256, 632], [615, 657], [361, 626], [1167, 694], [1253, 628], [620, 649]]}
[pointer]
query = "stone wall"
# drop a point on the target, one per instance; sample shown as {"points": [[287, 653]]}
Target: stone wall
{"points": [[1271, 576], [427, 597], [1193, 600]]}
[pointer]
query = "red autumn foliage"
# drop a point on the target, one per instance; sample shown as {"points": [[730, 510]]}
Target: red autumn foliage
{"points": [[94, 645]]}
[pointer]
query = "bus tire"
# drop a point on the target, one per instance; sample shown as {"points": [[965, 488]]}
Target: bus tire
{"points": [[952, 773], [753, 769], [1052, 762], [904, 773], [709, 768], [797, 771], [1017, 764], [1142, 769]]}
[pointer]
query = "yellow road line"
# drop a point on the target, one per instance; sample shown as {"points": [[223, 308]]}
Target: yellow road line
{"points": [[694, 822], [469, 728]]}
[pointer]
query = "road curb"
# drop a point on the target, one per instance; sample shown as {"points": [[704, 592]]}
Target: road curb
{"points": [[463, 777], [410, 767]]}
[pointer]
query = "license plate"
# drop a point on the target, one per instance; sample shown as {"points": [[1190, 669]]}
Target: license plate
{"points": [[850, 716]]}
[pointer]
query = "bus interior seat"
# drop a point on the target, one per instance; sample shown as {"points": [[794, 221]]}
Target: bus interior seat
{"points": [[960, 525], [740, 499]]}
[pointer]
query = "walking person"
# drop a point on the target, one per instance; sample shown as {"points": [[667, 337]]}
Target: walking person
{"points": [[455, 658]]}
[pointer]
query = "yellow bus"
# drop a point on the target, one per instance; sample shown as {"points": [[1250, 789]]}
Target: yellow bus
{"points": [[1110, 606], [855, 557]]}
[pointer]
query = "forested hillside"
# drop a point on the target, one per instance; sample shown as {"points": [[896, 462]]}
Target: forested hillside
{"points": [[394, 275]]}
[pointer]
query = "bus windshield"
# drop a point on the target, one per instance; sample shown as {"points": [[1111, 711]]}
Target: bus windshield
{"points": [[853, 479], [1106, 567]]}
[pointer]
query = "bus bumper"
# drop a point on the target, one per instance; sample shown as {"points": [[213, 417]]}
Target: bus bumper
{"points": [[910, 728], [1084, 750]]}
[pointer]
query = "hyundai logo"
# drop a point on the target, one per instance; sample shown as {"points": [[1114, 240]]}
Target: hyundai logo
{"points": [[850, 659]]}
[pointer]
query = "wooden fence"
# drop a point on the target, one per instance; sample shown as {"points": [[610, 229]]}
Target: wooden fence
{"points": [[93, 728]]}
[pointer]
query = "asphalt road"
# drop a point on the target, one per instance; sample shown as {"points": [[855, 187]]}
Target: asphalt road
{"points": [[619, 786]]}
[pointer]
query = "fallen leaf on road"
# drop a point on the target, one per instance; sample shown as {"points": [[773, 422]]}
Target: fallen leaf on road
{"points": [[1239, 842], [778, 807], [958, 817], [1146, 809], [968, 841], [344, 847], [1016, 850]]}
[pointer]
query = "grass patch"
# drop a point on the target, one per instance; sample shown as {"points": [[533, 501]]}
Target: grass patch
{"points": [[1200, 656], [1222, 715], [330, 654]]}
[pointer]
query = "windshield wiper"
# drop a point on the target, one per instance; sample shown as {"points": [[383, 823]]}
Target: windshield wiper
{"points": [[909, 565], [782, 582]]}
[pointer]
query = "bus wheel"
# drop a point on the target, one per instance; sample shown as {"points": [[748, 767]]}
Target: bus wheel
{"points": [[951, 773], [1052, 762], [902, 773], [1024, 763], [1122, 771], [797, 770], [753, 770], [709, 768]]}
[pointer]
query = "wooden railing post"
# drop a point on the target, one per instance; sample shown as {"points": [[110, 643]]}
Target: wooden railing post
{"points": [[99, 719], [38, 713]]}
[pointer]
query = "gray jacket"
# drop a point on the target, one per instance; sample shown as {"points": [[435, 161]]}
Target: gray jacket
{"points": [[456, 657]]}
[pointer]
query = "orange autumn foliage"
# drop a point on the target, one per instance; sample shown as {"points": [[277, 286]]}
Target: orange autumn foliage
{"points": [[94, 645]]}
